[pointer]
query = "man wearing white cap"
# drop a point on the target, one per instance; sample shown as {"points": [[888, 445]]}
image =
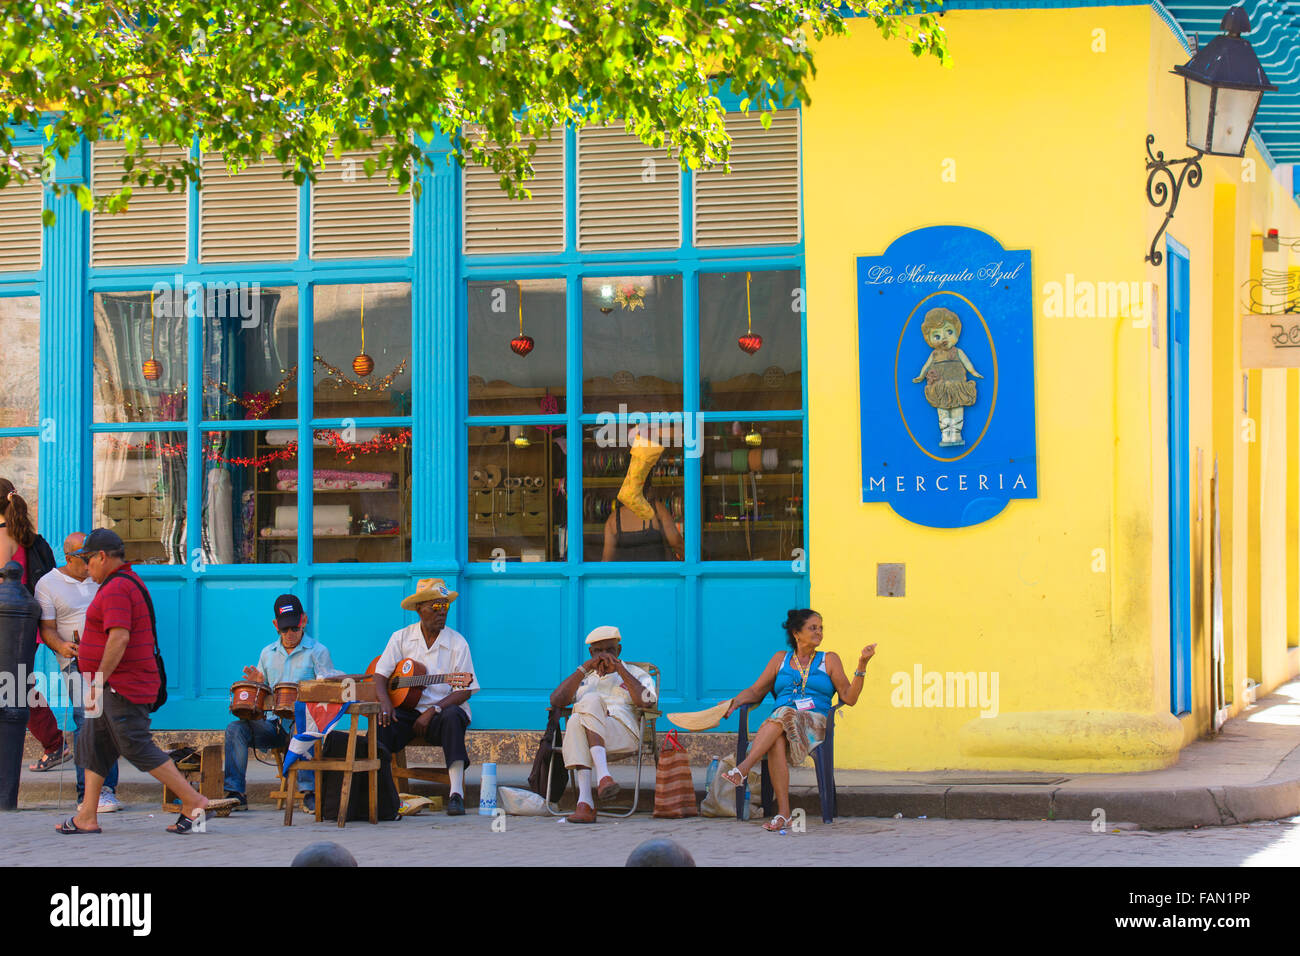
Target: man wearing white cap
{"points": [[604, 692]]}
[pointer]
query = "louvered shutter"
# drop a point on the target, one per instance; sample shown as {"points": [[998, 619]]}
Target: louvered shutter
{"points": [[20, 222], [495, 224], [757, 204], [629, 194], [250, 216], [353, 216], [153, 229]]}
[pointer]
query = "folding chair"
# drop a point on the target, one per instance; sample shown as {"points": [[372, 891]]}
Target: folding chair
{"points": [[823, 761], [649, 742]]}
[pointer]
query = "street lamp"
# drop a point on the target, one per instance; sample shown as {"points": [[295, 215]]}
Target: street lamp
{"points": [[1224, 84]]}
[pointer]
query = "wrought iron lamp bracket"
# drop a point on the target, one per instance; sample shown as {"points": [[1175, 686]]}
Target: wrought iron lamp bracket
{"points": [[1160, 192]]}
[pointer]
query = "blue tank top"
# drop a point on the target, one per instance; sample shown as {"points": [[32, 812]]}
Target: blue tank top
{"points": [[787, 684]]}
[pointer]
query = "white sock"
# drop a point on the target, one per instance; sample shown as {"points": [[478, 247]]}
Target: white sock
{"points": [[601, 765], [457, 773], [584, 787]]}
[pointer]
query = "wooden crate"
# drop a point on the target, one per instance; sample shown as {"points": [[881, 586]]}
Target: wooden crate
{"points": [[332, 690]]}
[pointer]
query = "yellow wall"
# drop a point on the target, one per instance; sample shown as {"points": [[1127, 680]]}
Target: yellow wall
{"points": [[1044, 132]]}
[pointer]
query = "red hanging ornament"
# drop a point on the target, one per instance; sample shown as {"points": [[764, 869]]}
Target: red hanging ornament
{"points": [[521, 344], [363, 365], [751, 341]]}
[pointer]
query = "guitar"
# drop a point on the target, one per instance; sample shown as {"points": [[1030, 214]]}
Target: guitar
{"points": [[409, 680]]}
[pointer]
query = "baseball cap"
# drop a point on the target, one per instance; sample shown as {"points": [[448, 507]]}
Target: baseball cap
{"points": [[101, 539], [288, 611]]}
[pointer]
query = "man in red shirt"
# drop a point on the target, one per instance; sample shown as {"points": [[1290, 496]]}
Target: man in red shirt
{"points": [[116, 656]]}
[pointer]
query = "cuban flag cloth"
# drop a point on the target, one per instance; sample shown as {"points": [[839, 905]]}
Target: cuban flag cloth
{"points": [[311, 723]]}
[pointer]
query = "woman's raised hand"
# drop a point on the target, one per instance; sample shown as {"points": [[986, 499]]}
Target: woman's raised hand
{"points": [[868, 652]]}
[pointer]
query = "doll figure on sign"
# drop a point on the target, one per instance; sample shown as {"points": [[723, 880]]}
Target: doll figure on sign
{"points": [[944, 374]]}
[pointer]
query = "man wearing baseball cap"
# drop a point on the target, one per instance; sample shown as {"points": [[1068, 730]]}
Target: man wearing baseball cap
{"points": [[604, 690], [293, 656]]}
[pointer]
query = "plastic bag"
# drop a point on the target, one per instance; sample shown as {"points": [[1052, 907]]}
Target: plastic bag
{"points": [[521, 803], [720, 796]]}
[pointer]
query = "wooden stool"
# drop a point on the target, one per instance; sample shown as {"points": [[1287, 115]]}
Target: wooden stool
{"points": [[207, 780], [428, 774], [281, 793], [349, 764]]}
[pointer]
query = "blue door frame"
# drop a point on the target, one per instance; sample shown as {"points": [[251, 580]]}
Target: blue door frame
{"points": [[1180, 518]]}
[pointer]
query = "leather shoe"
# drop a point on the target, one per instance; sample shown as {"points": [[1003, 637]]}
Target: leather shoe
{"points": [[309, 801], [607, 789], [585, 813], [455, 805]]}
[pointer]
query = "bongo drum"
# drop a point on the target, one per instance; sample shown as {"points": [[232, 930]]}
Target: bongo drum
{"points": [[248, 699], [283, 698]]}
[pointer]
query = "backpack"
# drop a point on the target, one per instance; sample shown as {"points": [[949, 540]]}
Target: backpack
{"points": [[153, 623], [40, 562]]}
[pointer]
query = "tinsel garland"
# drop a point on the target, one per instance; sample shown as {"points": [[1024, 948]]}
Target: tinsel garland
{"points": [[380, 443]]}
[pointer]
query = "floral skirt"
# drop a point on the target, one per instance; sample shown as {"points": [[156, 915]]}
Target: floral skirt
{"points": [[804, 731]]}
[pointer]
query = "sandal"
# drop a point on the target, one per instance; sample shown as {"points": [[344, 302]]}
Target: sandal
{"points": [[776, 824], [737, 780], [69, 827], [183, 824], [51, 760]]}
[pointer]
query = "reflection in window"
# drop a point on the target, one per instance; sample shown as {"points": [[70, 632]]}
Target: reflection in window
{"points": [[750, 341], [362, 338], [516, 360], [139, 492], [611, 529], [361, 495], [250, 351], [20, 372], [19, 458], [632, 343], [752, 491], [140, 356], [249, 478], [517, 502]]}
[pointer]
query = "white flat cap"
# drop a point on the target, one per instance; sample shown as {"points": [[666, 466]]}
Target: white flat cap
{"points": [[606, 632]]}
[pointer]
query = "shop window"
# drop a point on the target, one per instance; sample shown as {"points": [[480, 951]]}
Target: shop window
{"points": [[495, 224], [251, 216], [361, 467], [756, 201], [751, 340], [629, 194], [752, 491], [139, 492], [632, 344], [153, 230], [517, 496], [20, 372], [19, 462], [20, 221], [250, 498], [250, 352], [358, 216], [141, 351], [651, 529], [517, 347]]}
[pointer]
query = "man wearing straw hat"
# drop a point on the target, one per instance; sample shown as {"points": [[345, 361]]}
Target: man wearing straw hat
{"points": [[604, 690], [441, 715]]}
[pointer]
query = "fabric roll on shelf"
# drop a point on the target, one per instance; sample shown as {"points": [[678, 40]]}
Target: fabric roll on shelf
{"points": [[323, 516], [492, 475], [494, 433]]}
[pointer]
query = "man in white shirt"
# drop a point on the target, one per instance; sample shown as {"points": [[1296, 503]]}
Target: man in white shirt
{"points": [[64, 594], [442, 713], [606, 694]]}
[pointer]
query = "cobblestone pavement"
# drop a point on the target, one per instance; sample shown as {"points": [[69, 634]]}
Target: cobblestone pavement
{"points": [[257, 838]]}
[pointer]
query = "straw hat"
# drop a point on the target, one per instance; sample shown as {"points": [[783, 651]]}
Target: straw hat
{"points": [[700, 719], [429, 589]]}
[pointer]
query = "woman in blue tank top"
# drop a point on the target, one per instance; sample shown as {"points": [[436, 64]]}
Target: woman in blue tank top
{"points": [[802, 680]]}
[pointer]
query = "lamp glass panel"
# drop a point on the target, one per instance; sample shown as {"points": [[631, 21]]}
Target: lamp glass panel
{"points": [[1198, 115], [1233, 112]]}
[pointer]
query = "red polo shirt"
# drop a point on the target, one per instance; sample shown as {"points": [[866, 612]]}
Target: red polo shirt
{"points": [[119, 603]]}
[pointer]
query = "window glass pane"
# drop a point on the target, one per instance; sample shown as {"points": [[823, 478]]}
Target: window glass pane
{"points": [[517, 503], [140, 356], [20, 372], [139, 492], [19, 458], [249, 479], [250, 351], [632, 343], [751, 350], [361, 495], [752, 491], [611, 530], [501, 380], [362, 337]]}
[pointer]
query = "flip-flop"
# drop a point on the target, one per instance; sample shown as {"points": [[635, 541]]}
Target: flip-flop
{"points": [[183, 824], [69, 827], [776, 824]]}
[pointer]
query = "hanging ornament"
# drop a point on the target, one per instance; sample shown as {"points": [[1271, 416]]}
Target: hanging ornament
{"points": [[521, 344], [607, 299], [151, 368], [631, 297], [750, 342], [752, 438], [363, 364]]}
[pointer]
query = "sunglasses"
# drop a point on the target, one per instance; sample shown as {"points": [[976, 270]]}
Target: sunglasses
{"points": [[289, 630], [439, 605]]}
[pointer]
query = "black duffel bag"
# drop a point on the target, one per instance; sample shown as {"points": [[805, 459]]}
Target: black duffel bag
{"points": [[329, 783]]}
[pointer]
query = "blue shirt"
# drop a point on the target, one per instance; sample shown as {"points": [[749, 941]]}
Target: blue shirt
{"points": [[788, 682], [309, 660]]}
